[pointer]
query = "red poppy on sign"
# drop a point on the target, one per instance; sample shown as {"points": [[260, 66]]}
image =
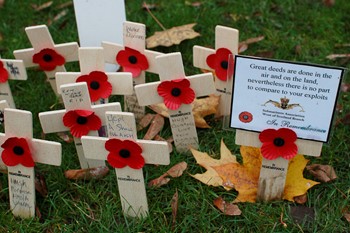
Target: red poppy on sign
{"points": [[80, 122], [4, 75], [16, 151], [124, 153], [132, 61], [278, 143], [176, 92], [245, 117], [219, 62], [98, 85], [48, 59]]}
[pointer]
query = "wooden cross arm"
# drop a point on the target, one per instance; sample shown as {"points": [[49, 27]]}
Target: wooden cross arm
{"points": [[65, 78], [153, 152], [46, 152], [51, 122], [200, 55], [101, 109], [68, 50], [226, 37], [21, 73], [111, 50], [202, 84]]}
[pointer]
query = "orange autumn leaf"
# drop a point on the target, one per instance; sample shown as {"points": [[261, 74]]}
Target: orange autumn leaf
{"points": [[201, 108], [244, 177]]}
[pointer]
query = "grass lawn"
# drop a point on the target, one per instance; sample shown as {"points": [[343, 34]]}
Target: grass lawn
{"points": [[295, 30]]}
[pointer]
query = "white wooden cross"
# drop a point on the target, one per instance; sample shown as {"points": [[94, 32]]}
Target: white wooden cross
{"points": [[20, 152], [13, 70], [170, 69], [273, 172], [41, 39], [225, 37], [76, 97], [131, 184], [134, 37], [3, 105], [90, 60]]}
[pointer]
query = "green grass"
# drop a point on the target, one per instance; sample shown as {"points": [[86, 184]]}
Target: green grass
{"points": [[94, 206]]}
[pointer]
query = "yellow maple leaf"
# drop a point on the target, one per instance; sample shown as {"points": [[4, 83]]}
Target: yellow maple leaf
{"points": [[244, 177], [210, 177]]}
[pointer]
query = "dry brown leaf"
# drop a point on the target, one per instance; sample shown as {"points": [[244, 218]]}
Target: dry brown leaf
{"points": [[65, 137], [58, 17], [156, 126], [323, 173], [329, 3], [200, 108], [147, 6], [2, 2], [64, 5], [40, 184], [211, 177], [227, 208], [302, 199], [174, 207], [87, 174], [145, 121], [243, 46], [42, 6], [346, 215], [345, 87], [244, 177], [172, 36], [175, 171]]}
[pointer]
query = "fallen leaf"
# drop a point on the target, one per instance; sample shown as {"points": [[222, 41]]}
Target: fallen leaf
{"points": [[42, 6], [175, 171], [145, 121], [296, 184], [147, 6], [174, 207], [58, 17], [302, 214], [345, 120], [65, 137], [243, 46], [37, 212], [200, 108], [345, 87], [335, 56], [64, 5], [346, 214], [329, 3], [155, 127], [194, 4], [302, 199], [267, 54], [244, 177], [87, 174], [2, 2], [40, 184], [323, 173], [297, 49], [211, 177], [227, 208], [172, 36]]}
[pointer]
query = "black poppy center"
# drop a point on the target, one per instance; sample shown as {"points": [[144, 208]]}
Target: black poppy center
{"points": [[124, 153], [224, 65], [132, 59], [245, 117], [47, 57], [278, 142], [94, 85], [18, 150], [176, 92], [81, 120]]}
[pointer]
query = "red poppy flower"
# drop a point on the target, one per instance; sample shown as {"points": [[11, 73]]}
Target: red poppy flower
{"points": [[48, 59], [132, 61], [16, 151], [245, 117], [81, 122], [98, 85], [277, 143], [219, 62], [124, 153], [176, 92], [4, 75]]}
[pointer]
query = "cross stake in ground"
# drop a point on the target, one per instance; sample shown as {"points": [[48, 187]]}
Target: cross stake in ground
{"points": [[226, 41], [20, 152], [178, 92], [10, 70], [79, 117], [133, 57], [273, 172], [45, 54], [127, 155], [100, 84]]}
